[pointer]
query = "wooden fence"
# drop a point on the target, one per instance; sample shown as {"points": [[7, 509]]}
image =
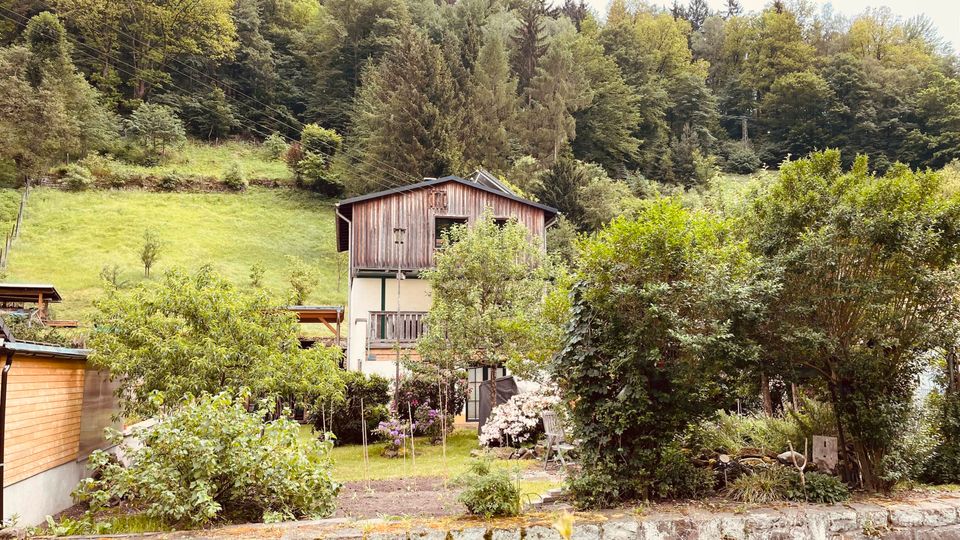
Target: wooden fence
{"points": [[15, 228]]}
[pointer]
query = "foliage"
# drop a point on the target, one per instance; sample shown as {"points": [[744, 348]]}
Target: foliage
{"points": [[729, 433], [656, 341], [25, 330], [234, 178], [150, 250], [345, 423], [431, 423], [818, 488], [763, 486], [487, 492], [395, 433], [741, 159], [275, 146], [77, 177], [519, 419], [488, 308], [211, 460], [303, 279], [943, 465], [193, 333], [882, 250], [156, 127], [420, 387], [313, 164], [677, 478]]}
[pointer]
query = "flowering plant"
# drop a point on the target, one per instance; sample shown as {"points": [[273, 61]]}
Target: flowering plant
{"points": [[429, 422], [518, 420], [395, 433]]}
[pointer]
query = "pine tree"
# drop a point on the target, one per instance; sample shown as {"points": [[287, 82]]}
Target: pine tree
{"points": [[407, 115], [529, 40], [493, 108]]}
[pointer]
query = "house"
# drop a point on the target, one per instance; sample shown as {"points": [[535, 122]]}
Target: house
{"points": [[391, 237], [53, 411]]}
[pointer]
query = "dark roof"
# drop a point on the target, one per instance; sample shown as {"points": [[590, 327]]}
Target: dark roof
{"points": [[28, 292], [45, 351], [483, 183]]}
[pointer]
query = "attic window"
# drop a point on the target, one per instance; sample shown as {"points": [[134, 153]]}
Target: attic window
{"points": [[437, 199], [443, 224], [501, 222]]}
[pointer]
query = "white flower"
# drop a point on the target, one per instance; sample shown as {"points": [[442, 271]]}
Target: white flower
{"points": [[517, 420]]}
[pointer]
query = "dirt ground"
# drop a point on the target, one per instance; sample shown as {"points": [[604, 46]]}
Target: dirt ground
{"points": [[420, 497]]}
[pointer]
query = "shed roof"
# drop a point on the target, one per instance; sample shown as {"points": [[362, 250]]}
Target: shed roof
{"points": [[28, 292], [483, 181]]}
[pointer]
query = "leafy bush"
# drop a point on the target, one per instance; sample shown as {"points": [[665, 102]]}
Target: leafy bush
{"points": [[395, 432], [234, 178], [818, 488], [418, 388], [275, 146], [430, 423], [312, 158], [101, 166], [488, 492], [314, 172], [345, 424], [729, 433], [155, 127], [676, 477], [741, 159], [518, 420], [77, 177], [171, 181], [764, 485], [943, 465], [211, 460]]}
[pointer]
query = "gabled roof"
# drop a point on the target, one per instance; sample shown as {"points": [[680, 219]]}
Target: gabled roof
{"points": [[481, 179]]}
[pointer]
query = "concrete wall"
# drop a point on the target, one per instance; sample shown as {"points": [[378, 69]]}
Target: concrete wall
{"points": [[43, 494], [377, 294]]}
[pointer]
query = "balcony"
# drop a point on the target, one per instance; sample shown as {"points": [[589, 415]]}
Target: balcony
{"points": [[386, 328]]}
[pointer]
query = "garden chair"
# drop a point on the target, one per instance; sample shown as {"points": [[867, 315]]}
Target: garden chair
{"points": [[556, 439]]}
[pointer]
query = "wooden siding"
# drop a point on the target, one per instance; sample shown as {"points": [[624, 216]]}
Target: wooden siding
{"points": [[44, 402], [374, 220]]}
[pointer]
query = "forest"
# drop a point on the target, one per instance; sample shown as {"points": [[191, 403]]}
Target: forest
{"points": [[568, 105]]}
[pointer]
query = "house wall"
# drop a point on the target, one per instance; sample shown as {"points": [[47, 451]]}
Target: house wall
{"points": [[32, 499], [380, 294], [374, 220], [44, 405]]}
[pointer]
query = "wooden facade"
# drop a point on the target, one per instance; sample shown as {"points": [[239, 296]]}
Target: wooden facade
{"points": [[373, 218], [44, 406]]}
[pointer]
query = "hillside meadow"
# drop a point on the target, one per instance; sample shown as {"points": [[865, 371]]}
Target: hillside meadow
{"points": [[68, 238]]}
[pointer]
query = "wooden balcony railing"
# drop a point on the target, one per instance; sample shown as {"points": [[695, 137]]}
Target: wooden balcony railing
{"points": [[387, 326]]}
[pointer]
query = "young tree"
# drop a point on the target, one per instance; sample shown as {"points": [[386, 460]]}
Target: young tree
{"points": [[149, 250], [869, 274], [303, 279], [195, 333], [313, 165], [490, 288], [156, 127]]}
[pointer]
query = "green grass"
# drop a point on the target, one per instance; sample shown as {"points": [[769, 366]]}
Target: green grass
{"points": [[67, 238], [213, 160], [348, 462]]}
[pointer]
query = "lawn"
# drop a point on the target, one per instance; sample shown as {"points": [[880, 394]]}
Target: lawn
{"points": [[68, 238], [206, 159]]}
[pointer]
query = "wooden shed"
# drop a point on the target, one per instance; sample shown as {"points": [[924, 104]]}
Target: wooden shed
{"points": [[53, 410]]}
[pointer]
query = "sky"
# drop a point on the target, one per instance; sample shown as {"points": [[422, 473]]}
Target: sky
{"points": [[945, 14]]}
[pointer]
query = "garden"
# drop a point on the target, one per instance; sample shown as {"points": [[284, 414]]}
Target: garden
{"points": [[694, 353]]}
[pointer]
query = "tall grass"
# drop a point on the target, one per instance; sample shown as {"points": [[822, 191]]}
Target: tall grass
{"points": [[729, 433]]}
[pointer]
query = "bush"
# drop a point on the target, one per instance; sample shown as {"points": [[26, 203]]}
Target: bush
{"points": [[275, 147], [943, 466], [728, 433], [211, 460], [77, 177], [155, 128], [820, 488], [677, 478], [518, 420], [101, 166], [314, 172], [420, 388], [763, 486], [234, 179], [171, 181], [741, 159], [346, 424], [487, 492]]}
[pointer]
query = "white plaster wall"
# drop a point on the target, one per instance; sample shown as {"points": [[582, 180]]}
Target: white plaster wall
{"points": [[365, 296], [44, 494]]}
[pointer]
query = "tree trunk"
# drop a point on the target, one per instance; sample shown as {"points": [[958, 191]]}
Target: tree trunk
{"points": [[765, 394]]}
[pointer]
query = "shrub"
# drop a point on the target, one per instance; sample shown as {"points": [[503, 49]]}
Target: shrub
{"points": [[943, 466], [418, 388], [345, 424], [314, 172], [729, 433], [155, 128], [77, 177], [171, 181], [312, 157], [818, 488], [765, 485], [518, 420], [211, 460], [234, 179], [741, 159], [275, 147], [101, 166], [676, 477], [487, 492], [395, 432], [430, 423]]}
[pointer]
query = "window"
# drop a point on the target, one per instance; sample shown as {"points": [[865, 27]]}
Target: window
{"points": [[475, 377], [501, 221], [442, 225]]}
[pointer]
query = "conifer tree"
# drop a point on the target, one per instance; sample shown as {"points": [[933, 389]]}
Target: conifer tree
{"points": [[493, 108]]}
